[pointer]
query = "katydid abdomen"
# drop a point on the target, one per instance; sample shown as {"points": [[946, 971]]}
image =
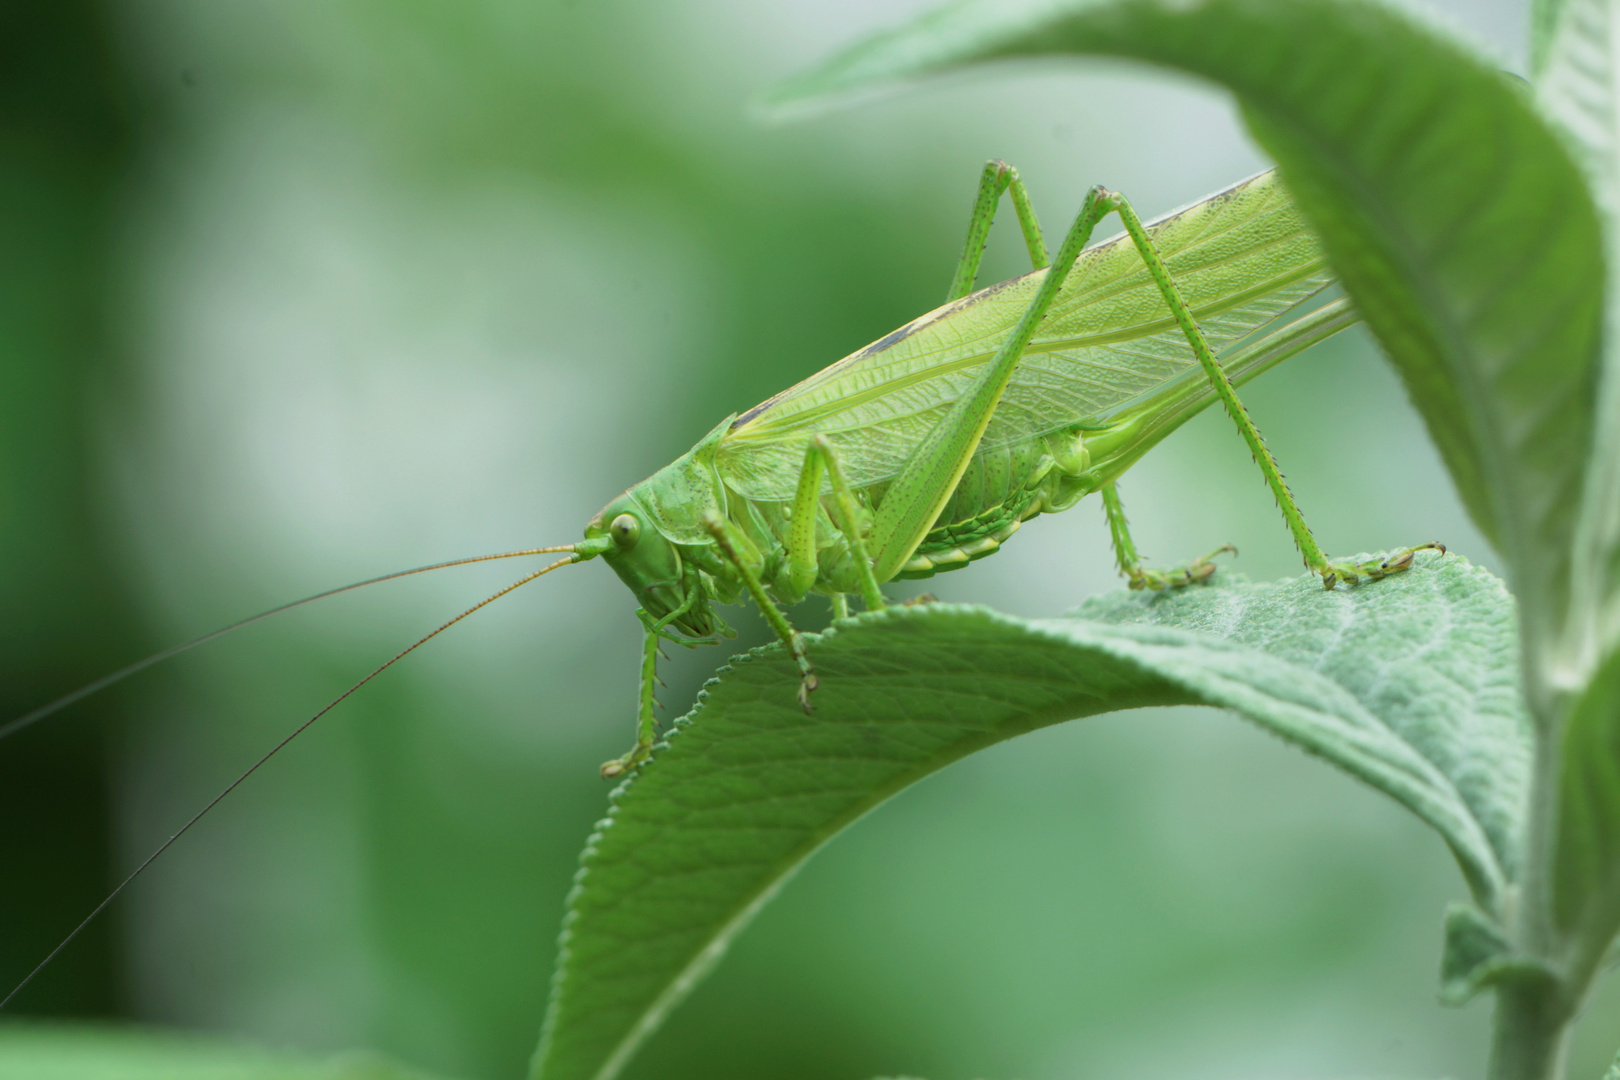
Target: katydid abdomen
{"points": [[1001, 488]]}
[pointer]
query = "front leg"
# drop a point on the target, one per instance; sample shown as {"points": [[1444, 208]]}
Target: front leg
{"points": [[721, 529], [646, 715], [646, 712]]}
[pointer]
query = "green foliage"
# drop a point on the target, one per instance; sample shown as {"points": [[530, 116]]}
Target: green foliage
{"points": [[1575, 90], [1478, 954], [81, 1053], [1470, 222], [1545, 16], [1469, 238], [1410, 685], [1448, 209], [1586, 880]]}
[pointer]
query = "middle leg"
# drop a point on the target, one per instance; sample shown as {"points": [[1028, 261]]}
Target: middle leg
{"points": [[1130, 563], [821, 459], [721, 529]]}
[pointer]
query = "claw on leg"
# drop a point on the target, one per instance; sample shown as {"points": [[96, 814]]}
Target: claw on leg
{"points": [[612, 770], [619, 766], [807, 674], [1373, 569], [647, 712], [1199, 569]]}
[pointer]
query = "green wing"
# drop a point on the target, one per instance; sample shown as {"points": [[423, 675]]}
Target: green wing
{"points": [[1241, 258]]}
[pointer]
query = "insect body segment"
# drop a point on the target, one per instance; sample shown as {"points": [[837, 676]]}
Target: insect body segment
{"points": [[927, 449], [1000, 490]]}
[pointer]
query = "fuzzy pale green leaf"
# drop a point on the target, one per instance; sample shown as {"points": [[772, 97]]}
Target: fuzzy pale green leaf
{"points": [[84, 1052], [1453, 215], [1409, 684]]}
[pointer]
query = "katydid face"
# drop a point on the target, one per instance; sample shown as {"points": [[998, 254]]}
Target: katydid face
{"points": [[649, 564]]}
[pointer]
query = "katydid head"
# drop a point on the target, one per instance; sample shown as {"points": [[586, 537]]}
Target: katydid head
{"points": [[651, 565]]}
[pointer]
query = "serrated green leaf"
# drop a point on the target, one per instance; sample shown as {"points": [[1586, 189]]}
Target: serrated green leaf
{"points": [[85, 1052], [1408, 684], [1453, 215], [1586, 860]]}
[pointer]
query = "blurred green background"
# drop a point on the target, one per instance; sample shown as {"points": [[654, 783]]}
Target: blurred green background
{"points": [[301, 291]]}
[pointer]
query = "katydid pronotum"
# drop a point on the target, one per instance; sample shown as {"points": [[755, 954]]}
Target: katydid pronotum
{"points": [[927, 449]]}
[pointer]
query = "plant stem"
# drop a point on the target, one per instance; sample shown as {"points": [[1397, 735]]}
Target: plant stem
{"points": [[1532, 1032], [1532, 923], [1534, 1016]]}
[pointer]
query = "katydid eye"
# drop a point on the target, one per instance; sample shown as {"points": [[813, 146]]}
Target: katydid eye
{"points": [[624, 530]]}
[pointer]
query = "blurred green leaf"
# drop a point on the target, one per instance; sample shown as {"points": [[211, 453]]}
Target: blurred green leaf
{"points": [[1575, 85], [52, 1052], [1453, 215], [1408, 684], [1575, 88], [1545, 16], [1586, 866]]}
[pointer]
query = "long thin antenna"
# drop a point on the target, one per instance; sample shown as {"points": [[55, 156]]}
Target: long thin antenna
{"points": [[27, 719], [234, 784]]}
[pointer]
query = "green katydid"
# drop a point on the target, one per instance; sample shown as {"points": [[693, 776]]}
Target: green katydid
{"points": [[927, 449]]}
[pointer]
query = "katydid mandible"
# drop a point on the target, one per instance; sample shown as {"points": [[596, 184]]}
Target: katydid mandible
{"points": [[928, 448]]}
